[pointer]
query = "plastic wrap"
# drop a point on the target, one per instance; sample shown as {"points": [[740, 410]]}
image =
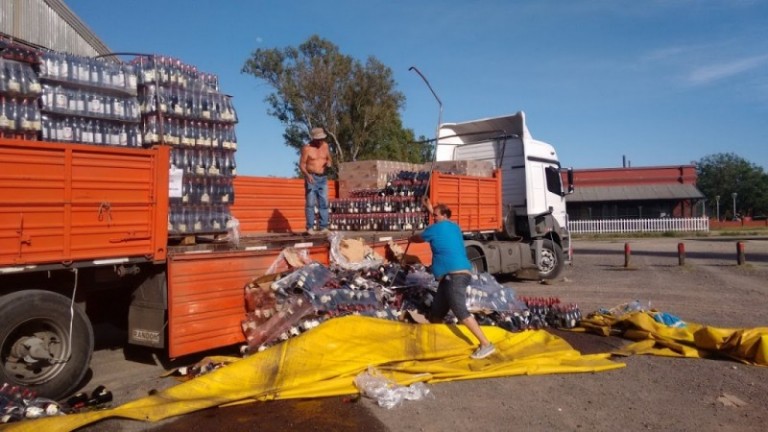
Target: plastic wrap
{"points": [[484, 293], [386, 392], [289, 257], [233, 231], [284, 324], [308, 280]]}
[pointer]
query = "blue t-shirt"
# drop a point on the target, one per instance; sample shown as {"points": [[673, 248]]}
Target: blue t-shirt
{"points": [[447, 244]]}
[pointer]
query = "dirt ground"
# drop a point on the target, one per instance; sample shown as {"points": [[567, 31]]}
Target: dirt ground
{"points": [[650, 393]]}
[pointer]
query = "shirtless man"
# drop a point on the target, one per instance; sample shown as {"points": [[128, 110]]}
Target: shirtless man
{"points": [[315, 157]]}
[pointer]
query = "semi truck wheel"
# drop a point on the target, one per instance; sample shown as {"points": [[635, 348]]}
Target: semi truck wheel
{"points": [[36, 350], [476, 259], [551, 263]]}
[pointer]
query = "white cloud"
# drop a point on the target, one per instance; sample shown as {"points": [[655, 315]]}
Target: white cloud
{"points": [[708, 74]]}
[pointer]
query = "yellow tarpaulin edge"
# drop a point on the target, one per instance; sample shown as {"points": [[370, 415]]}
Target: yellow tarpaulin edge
{"points": [[749, 345], [324, 362]]}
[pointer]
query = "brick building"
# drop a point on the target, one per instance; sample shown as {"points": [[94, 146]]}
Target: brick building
{"points": [[635, 193]]}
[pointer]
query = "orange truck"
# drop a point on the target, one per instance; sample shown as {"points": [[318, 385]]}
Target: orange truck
{"points": [[84, 240]]}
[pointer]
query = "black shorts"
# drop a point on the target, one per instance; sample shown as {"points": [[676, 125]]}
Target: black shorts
{"points": [[451, 295]]}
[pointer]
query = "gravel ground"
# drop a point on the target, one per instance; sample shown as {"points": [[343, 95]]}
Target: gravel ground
{"points": [[651, 393]]}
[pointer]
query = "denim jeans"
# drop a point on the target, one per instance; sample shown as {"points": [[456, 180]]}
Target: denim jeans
{"points": [[316, 195]]}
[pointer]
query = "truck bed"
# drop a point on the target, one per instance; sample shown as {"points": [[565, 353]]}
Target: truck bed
{"points": [[67, 203]]}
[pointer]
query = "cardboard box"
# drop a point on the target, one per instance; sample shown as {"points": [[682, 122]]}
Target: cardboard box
{"points": [[371, 174], [472, 168]]}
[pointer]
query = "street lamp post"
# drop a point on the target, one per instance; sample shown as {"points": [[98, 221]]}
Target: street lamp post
{"points": [[717, 200], [733, 195]]}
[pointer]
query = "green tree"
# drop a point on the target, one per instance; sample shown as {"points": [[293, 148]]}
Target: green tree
{"points": [[315, 85], [722, 174]]}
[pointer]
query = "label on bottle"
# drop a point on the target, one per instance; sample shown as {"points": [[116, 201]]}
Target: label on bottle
{"points": [[98, 137], [198, 226], [225, 198], [13, 85], [200, 170], [119, 109], [26, 124], [66, 133], [123, 138], [87, 136], [212, 170], [37, 125], [4, 122], [149, 75], [35, 87], [177, 110], [61, 101], [132, 81], [206, 114], [95, 105], [205, 198], [216, 225], [182, 227]]}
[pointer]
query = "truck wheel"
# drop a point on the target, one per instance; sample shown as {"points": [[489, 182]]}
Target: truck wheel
{"points": [[35, 347], [476, 259], [552, 262]]}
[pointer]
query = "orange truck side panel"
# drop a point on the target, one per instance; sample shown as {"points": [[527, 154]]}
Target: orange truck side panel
{"points": [[206, 293], [271, 204], [70, 202], [475, 202]]}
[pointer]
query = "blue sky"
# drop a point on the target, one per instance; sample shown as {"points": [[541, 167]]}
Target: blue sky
{"points": [[662, 82]]}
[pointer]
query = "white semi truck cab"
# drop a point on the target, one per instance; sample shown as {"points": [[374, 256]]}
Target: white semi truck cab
{"points": [[535, 233]]}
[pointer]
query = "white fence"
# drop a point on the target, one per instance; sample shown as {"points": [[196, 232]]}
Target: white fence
{"points": [[639, 225]]}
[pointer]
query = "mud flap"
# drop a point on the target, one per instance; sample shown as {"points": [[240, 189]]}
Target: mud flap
{"points": [[146, 326], [147, 314]]}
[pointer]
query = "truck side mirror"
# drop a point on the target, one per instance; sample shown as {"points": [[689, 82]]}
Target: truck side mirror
{"points": [[570, 181]]}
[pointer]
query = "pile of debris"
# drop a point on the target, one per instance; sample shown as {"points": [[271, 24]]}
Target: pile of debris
{"points": [[284, 305]]}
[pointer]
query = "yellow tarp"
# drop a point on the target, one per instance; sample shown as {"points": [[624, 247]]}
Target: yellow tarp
{"points": [[695, 340], [324, 362]]}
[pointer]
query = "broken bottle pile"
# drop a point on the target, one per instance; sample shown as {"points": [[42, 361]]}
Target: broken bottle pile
{"points": [[291, 303]]}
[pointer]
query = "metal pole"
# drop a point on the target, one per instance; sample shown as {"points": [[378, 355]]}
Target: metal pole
{"points": [[734, 204], [434, 155]]}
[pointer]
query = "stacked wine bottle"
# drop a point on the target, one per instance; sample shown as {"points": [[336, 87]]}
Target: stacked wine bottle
{"points": [[395, 207], [19, 89], [183, 108], [89, 101]]}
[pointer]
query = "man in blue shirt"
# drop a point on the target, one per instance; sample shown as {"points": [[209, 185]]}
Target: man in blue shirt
{"points": [[452, 268]]}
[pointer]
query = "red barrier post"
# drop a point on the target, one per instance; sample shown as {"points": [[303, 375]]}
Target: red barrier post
{"points": [[681, 254], [740, 256], [627, 254]]}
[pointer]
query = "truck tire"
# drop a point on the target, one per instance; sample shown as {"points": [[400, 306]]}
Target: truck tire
{"points": [[476, 259], [552, 262], [35, 347]]}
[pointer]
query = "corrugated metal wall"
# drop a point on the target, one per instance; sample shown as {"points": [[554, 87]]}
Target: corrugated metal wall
{"points": [[50, 24]]}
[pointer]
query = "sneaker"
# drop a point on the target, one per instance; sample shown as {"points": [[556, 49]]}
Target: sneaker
{"points": [[483, 352], [311, 232], [325, 231]]}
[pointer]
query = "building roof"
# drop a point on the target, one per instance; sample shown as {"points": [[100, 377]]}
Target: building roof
{"points": [[49, 24], [669, 191]]}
